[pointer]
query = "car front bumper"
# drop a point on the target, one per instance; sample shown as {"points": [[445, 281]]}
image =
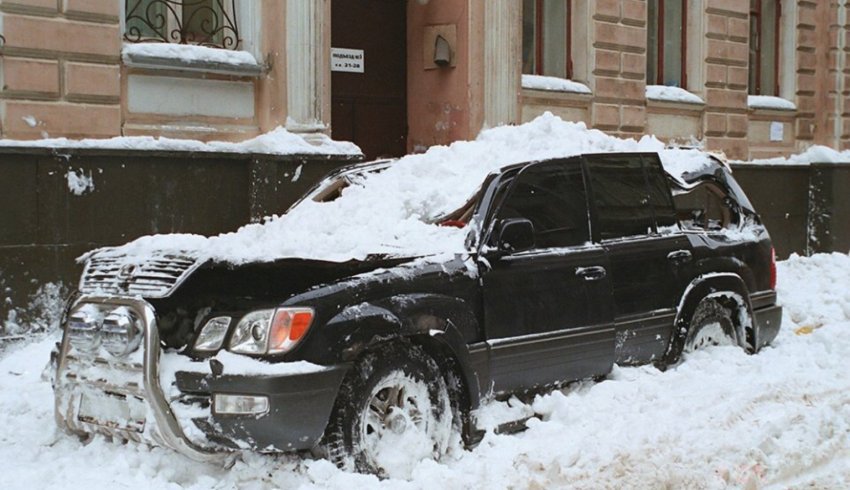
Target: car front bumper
{"points": [[299, 407], [132, 399]]}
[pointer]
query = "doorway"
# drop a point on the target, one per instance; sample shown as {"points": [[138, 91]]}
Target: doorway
{"points": [[369, 95]]}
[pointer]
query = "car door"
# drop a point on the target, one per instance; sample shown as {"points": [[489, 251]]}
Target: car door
{"points": [[649, 256], [547, 311]]}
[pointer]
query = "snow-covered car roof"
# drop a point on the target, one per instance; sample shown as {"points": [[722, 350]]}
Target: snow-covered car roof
{"points": [[391, 212]]}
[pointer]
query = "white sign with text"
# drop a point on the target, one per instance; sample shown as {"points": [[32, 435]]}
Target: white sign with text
{"points": [[349, 60], [777, 131]]}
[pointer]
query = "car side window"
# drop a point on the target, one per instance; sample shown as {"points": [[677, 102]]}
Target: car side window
{"points": [[552, 196], [620, 196], [659, 194]]}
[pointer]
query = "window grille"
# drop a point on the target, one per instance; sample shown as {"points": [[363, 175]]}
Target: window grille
{"points": [[209, 23]]}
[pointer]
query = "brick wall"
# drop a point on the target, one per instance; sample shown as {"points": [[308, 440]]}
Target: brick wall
{"points": [[839, 74], [726, 60], [60, 68], [618, 78]]}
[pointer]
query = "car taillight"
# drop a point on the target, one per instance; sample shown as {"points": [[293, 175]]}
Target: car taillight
{"points": [[772, 268]]}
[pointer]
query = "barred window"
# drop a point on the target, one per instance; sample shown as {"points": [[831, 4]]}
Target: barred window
{"points": [[210, 23]]}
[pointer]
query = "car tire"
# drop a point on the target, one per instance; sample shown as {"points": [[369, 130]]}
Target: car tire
{"points": [[711, 324], [393, 410]]}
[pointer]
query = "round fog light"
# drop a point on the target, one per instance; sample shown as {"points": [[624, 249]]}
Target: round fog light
{"points": [[121, 332], [83, 330]]}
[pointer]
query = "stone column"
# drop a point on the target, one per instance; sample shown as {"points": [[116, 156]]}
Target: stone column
{"points": [[307, 65], [502, 61]]}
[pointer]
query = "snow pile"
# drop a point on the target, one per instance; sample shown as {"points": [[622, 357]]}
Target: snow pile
{"points": [[41, 314], [188, 54], [388, 212], [540, 82], [814, 154], [276, 142], [770, 102], [721, 419], [671, 94]]}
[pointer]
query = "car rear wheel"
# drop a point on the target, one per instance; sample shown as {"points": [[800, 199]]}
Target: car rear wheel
{"points": [[393, 410], [712, 324]]}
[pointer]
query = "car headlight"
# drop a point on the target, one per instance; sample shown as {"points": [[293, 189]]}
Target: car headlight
{"points": [[271, 331], [213, 333]]}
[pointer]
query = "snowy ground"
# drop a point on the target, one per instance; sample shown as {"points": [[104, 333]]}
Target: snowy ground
{"points": [[720, 419]]}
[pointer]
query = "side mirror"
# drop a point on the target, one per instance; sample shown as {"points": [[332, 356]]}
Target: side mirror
{"points": [[515, 235]]}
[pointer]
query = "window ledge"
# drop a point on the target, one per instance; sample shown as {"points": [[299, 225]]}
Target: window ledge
{"points": [[554, 84], [181, 57], [675, 95], [770, 103]]}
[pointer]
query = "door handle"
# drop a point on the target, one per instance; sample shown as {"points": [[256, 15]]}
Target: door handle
{"points": [[593, 273], [680, 256]]}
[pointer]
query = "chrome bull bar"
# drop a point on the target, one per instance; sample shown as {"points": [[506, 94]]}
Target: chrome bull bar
{"points": [[167, 430]]}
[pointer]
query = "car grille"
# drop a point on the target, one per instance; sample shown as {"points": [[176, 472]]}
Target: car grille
{"points": [[154, 277]]}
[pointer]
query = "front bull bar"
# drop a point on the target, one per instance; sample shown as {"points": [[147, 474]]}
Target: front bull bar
{"points": [[167, 428]]}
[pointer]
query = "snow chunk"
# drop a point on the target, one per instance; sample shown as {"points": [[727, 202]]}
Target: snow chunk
{"points": [[672, 94], [770, 102], [30, 121], [276, 142], [555, 84], [235, 364], [188, 54], [79, 183], [814, 154], [390, 212]]}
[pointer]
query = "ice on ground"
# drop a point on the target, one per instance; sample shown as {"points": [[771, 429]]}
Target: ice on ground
{"points": [[411, 192], [720, 419], [541, 82], [672, 94]]}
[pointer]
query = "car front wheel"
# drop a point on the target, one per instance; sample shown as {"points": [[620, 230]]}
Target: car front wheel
{"points": [[392, 412]]}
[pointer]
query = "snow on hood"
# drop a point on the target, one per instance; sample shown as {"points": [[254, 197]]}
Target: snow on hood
{"points": [[388, 212], [276, 142]]}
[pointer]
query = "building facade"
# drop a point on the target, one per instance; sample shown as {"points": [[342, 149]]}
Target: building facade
{"points": [[753, 78]]}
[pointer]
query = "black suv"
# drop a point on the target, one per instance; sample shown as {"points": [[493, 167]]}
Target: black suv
{"points": [[572, 265]]}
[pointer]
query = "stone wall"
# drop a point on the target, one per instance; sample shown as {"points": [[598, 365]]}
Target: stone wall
{"points": [[618, 78], [60, 68], [726, 58]]}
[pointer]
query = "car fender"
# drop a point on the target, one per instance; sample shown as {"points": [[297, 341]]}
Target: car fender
{"points": [[719, 284], [437, 321]]}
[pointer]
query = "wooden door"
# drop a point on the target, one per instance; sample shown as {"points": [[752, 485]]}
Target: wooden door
{"points": [[370, 108]]}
